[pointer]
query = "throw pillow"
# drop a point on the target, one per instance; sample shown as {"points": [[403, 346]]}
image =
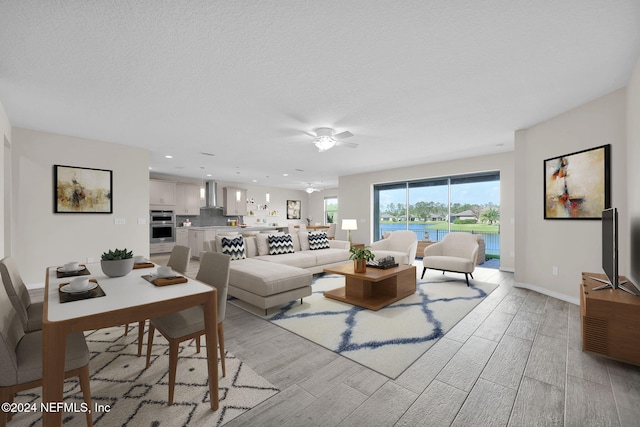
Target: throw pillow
{"points": [[303, 236], [234, 247], [318, 240], [280, 244]]}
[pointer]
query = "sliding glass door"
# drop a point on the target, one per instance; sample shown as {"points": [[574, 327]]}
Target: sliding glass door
{"points": [[434, 207]]}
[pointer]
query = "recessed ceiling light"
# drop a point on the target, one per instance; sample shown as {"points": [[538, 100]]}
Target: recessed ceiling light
{"points": [[254, 180], [208, 174], [285, 174], [168, 156]]}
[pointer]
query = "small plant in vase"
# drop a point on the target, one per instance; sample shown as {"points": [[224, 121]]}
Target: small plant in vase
{"points": [[360, 257], [117, 262]]}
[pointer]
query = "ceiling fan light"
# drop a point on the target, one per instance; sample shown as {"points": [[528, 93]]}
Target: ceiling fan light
{"points": [[324, 142], [309, 190]]}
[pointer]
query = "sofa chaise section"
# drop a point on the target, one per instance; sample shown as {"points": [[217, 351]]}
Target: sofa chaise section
{"points": [[267, 284]]}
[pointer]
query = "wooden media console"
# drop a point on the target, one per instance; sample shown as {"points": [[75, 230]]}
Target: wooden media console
{"points": [[610, 321]]}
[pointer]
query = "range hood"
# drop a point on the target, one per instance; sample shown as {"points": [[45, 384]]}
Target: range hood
{"points": [[211, 196]]}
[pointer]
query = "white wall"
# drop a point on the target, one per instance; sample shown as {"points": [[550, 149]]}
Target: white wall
{"points": [[43, 238], [356, 195], [632, 252], [573, 246], [5, 139]]}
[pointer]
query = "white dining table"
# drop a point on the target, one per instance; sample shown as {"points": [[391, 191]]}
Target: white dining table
{"points": [[127, 299]]}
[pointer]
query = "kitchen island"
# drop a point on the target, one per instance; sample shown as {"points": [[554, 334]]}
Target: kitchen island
{"points": [[195, 236], [198, 235]]}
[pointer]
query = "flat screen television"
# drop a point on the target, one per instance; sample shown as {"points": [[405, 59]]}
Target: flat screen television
{"points": [[610, 252]]}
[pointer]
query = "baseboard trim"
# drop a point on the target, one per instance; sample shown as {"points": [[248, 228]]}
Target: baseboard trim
{"points": [[545, 291]]}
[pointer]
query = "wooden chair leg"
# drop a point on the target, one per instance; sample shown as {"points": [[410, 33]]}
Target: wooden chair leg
{"points": [[152, 330], [86, 390], [5, 396], [126, 329], [221, 345], [197, 344], [173, 366], [140, 336]]}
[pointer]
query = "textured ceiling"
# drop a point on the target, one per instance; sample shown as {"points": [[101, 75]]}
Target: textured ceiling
{"points": [[414, 81]]}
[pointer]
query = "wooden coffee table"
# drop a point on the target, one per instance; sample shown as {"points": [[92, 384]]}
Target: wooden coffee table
{"points": [[374, 289]]}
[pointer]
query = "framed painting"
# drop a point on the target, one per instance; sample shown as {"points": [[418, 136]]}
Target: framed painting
{"points": [[578, 185], [293, 209], [82, 190]]}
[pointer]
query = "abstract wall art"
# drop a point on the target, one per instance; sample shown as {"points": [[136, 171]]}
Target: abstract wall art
{"points": [[293, 209], [82, 190], [578, 185]]}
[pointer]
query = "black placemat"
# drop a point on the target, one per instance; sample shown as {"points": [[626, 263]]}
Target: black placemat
{"points": [[60, 273], [96, 292]]}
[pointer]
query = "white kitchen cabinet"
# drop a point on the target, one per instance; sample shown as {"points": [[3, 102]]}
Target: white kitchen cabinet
{"points": [[233, 206], [187, 199], [197, 239], [161, 248], [162, 193], [182, 236]]}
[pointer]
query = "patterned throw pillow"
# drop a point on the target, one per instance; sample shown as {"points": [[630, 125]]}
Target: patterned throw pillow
{"points": [[234, 247], [280, 244], [318, 240]]}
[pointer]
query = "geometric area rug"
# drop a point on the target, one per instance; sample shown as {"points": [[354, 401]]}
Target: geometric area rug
{"points": [[137, 396], [388, 340]]}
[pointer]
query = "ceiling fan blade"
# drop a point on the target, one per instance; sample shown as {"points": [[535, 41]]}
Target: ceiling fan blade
{"points": [[347, 144], [343, 135]]}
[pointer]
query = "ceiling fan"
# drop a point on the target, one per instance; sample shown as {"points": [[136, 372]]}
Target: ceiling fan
{"points": [[310, 189], [326, 138]]}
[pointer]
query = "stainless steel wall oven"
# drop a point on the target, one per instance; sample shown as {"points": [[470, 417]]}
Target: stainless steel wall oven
{"points": [[162, 226]]}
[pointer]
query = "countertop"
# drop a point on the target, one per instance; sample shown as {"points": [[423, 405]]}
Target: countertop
{"points": [[228, 228]]}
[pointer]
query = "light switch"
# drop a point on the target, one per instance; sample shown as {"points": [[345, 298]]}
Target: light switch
{"points": [[120, 221]]}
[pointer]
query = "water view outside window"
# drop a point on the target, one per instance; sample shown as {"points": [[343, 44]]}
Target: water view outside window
{"points": [[432, 208], [330, 210]]}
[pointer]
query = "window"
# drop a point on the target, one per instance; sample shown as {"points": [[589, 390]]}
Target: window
{"points": [[330, 210], [434, 207]]}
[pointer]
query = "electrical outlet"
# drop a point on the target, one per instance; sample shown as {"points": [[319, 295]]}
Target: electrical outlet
{"points": [[120, 221], [142, 221], [554, 270], [89, 259]]}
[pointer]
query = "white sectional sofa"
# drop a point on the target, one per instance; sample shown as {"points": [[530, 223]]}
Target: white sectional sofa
{"points": [[266, 280]]}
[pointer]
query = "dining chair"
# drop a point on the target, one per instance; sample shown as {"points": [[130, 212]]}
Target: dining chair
{"points": [[21, 358], [331, 231], [178, 261], [29, 311], [189, 324]]}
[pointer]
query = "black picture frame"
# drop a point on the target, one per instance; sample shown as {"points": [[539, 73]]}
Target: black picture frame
{"points": [[82, 190], [294, 208], [578, 185]]}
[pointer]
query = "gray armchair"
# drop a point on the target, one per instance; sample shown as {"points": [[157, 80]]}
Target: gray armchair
{"points": [[456, 252]]}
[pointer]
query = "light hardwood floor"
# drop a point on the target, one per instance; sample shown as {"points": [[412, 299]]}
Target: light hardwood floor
{"points": [[515, 360]]}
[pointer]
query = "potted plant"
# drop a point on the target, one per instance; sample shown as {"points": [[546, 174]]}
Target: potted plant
{"points": [[360, 256], [117, 262]]}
